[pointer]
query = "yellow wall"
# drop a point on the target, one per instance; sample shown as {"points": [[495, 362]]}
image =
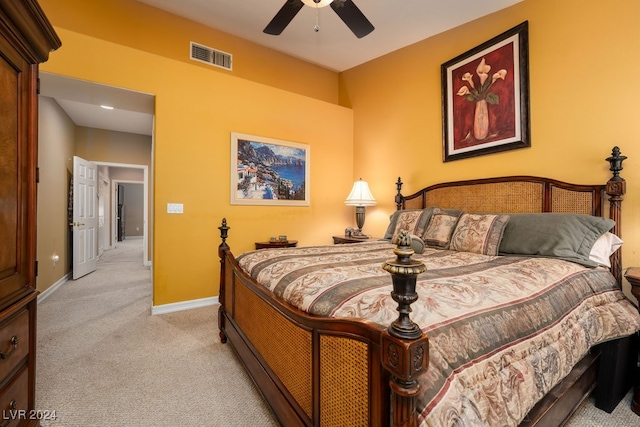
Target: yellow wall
{"points": [[137, 25], [583, 102], [196, 111]]}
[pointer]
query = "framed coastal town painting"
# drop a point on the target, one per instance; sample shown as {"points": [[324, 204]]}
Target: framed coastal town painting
{"points": [[266, 171], [485, 97]]}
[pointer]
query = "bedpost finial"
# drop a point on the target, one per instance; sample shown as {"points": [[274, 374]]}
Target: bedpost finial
{"points": [[404, 239], [404, 273], [399, 199], [615, 163], [223, 230]]}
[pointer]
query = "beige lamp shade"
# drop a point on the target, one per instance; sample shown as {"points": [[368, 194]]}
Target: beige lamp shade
{"points": [[360, 195]]}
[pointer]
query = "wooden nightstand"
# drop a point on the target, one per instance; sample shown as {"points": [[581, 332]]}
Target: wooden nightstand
{"points": [[276, 244], [339, 240], [633, 276]]}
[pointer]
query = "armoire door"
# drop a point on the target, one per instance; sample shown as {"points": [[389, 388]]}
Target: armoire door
{"points": [[26, 38], [17, 175]]}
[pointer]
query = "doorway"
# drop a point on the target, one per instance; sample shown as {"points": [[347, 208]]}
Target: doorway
{"points": [[74, 122], [128, 197]]}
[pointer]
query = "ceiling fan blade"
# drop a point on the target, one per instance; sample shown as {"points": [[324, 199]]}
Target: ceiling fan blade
{"points": [[283, 17], [353, 17]]}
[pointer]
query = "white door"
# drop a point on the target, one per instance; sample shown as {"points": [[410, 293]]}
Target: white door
{"points": [[85, 218]]}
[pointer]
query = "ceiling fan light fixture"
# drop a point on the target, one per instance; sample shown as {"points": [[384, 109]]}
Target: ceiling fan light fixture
{"points": [[317, 3]]}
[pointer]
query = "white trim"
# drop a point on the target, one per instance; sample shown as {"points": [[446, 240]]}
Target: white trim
{"points": [[183, 305], [51, 289]]}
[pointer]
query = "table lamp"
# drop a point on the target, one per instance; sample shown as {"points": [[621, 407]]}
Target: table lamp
{"points": [[360, 197]]}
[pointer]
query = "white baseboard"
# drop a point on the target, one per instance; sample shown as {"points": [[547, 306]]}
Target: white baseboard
{"points": [[156, 309], [184, 305], [51, 289]]}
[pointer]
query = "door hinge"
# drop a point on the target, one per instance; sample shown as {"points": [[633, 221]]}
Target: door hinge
{"points": [[37, 175], [36, 269], [38, 86]]}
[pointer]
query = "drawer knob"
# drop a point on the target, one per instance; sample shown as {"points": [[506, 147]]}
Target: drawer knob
{"points": [[12, 407], [14, 346]]}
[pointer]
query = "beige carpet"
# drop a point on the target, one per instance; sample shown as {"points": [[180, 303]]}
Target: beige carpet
{"points": [[104, 360]]}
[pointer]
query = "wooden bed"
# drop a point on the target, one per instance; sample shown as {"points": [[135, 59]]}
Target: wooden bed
{"points": [[319, 371]]}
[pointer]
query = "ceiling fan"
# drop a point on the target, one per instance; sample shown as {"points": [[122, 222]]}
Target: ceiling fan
{"points": [[346, 10]]}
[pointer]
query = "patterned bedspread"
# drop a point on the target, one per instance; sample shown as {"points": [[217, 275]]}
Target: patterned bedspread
{"points": [[502, 330]]}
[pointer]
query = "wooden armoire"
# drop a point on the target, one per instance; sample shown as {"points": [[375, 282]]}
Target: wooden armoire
{"points": [[26, 38]]}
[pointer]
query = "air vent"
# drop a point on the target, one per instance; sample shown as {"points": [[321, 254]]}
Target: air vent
{"points": [[211, 56]]}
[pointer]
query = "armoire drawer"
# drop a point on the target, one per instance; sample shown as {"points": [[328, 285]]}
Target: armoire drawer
{"points": [[14, 343], [14, 400]]}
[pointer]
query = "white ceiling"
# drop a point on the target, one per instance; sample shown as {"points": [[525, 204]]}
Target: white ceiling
{"points": [[397, 23]]}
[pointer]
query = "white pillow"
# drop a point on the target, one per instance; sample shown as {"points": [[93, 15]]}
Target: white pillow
{"points": [[604, 247]]}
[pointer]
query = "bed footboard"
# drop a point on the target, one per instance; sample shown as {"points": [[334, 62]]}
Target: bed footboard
{"points": [[311, 371], [323, 371]]}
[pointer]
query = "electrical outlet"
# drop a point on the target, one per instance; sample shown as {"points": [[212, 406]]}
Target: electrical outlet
{"points": [[54, 259]]}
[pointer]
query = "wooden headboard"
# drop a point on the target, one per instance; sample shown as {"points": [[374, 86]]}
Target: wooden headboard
{"points": [[511, 194], [527, 194]]}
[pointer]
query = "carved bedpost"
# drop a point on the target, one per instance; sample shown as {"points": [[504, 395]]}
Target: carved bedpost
{"points": [[404, 347], [399, 199], [221, 253], [616, 188]]}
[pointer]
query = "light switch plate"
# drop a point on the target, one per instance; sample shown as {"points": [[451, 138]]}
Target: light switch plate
{"points": [[175, 208]]}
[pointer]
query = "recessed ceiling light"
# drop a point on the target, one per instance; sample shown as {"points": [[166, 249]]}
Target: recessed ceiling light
{"points": [[107, 107]]}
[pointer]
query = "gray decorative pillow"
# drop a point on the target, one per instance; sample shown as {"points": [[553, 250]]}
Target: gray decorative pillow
{"points": [[440, 228], [479, 233], [412, 220], [555, 235]]}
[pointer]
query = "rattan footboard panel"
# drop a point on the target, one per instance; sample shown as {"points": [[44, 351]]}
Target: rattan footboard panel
{"points": [[344, 382], [285, 347]]}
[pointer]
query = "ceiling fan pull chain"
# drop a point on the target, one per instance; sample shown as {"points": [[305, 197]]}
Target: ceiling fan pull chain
{"points": [[317, 27]]}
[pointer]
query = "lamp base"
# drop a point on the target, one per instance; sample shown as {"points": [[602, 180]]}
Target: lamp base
{"points": [[358, 234], [359, 219]]}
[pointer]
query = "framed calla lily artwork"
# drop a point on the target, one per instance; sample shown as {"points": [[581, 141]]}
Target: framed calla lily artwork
{"points": [[485, 97]]}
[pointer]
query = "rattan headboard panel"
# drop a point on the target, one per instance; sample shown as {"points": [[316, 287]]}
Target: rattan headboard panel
{"points": [[568, 201], [515, 194], [503, 197]]}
